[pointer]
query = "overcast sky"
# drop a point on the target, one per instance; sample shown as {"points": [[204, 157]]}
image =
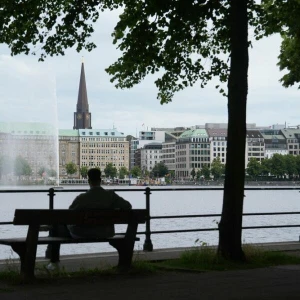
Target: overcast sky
{"points": [[36, 91]]}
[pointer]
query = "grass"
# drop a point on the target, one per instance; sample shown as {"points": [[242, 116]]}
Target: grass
{"points": [[138, 268], [202, 258], [205, 258]]}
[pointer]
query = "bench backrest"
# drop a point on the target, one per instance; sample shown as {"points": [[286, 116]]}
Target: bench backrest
{"points": [[86, 217]]}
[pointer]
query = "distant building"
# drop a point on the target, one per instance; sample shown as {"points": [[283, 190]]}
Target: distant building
{"points": [[292, 138], [69, 150], [255, 146], [218, 144], [275, 142], [150, 156], [35, 142], [192, 151], [89, 147]]}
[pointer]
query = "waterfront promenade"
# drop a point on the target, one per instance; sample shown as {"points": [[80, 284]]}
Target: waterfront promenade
{"points": [[281, 282]]}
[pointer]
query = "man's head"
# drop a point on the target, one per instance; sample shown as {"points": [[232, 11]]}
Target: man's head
{"points": [[94, 177]]}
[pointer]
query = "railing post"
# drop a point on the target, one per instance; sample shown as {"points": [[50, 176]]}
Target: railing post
{"points": [[148, 243], [51, 198], [51, 206]]}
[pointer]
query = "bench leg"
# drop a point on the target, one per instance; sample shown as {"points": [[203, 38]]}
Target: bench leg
{"points": [[125, 250], [20, 249], [27, 261]]}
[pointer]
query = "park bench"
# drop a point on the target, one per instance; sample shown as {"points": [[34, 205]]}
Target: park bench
{"points": [[26, 247]]}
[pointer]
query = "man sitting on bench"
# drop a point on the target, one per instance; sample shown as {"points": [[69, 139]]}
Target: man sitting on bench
{"points": [[95, 198]]}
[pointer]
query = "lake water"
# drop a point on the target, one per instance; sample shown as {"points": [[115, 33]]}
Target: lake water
{"points": [[168, 203]]}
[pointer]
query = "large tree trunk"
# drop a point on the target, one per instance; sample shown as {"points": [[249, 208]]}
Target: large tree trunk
{"points": [[230, 227]]}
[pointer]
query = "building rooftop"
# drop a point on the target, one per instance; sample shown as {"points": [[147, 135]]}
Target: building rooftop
{"points": [[253, 134], [216, 132], [68, 132], [194, 133], [26, 128], [290, 133]]}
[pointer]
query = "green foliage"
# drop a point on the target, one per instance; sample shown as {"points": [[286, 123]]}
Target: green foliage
{"points": [[110, 171], [282, 16], [205, 172], [254, 167], [266, 167], [136, 171], [42, 171], [123, 172], [71, 168], [172, 174], [290, 165], [22, 167], [83, 171], [51, 173], [4, 165], [159, 170], [278, 166], [217, 168], [206, 258], [175, 38], [193, 173]]}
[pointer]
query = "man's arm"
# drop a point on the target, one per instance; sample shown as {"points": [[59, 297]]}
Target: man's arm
{"points": [[119, 202], [75, 204]]}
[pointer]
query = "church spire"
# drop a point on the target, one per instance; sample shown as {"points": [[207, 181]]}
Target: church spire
{"points": [[82, 116]]}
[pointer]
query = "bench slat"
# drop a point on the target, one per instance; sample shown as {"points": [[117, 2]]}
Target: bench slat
{"points": [[62, 240], [67, 216]]}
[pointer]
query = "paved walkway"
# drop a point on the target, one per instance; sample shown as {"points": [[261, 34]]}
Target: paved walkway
{"points": [[267, 283]]}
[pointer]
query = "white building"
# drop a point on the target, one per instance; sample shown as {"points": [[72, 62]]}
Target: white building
{"points": [[255, 146], [275, 142], [151, 155], [218, 144]]}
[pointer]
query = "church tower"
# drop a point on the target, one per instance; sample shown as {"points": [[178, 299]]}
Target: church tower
{"points": [[82, 116]]}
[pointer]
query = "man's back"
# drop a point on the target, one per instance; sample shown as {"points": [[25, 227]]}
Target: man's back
{"points": [[97, 198]]}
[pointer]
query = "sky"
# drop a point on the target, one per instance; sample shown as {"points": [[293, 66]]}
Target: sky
{"points": [[47, 91]]}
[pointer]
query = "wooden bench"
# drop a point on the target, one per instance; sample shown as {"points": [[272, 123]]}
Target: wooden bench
{"points": [[26, 247]]}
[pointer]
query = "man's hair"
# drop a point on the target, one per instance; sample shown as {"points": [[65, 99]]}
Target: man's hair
{"points": [[94, 174]]}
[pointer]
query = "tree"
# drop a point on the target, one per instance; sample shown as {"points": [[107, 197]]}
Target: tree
{"points": [[282, 16], [193, 173], [5, 165], [266, 167], [42, 171], [83, 171], [136, 171], [217, 168], [110, 171], [298, 164], [254, 167], [22, 167], [123, 172], [51, 173], [71, 168], [278, 167], [174, 37], [172, 174], [159, 170], [290, 165], [205, 172]]}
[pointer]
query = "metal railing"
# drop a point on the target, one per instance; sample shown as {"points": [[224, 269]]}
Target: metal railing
{"points": [[148, 246]]}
